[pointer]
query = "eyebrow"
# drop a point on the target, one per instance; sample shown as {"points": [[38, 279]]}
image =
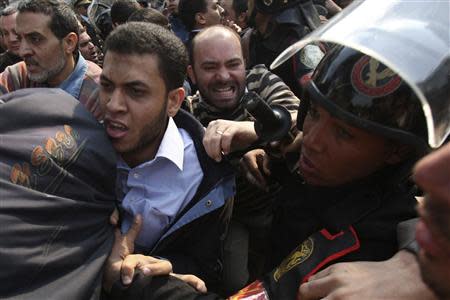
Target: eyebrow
{"points": [[234, 59], [33, 33], [129, 83]]}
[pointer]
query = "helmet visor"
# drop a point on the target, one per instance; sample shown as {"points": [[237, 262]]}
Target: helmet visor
{"points": [[411, 38]]}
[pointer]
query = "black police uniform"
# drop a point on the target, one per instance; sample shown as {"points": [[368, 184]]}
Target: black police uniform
{"points": [[288, 27]]}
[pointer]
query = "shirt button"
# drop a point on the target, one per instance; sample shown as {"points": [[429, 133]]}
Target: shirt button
{"points": [[208, 203], [136, 175]]}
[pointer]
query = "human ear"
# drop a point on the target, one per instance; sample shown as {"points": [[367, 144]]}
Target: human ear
{"points": [[70, 42], [175, 99]]}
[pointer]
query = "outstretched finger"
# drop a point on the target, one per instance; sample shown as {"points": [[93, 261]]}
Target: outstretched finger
{"points": [[193, 281], [129, 264]]}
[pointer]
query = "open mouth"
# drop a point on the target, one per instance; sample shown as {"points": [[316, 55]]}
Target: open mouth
{"points": [[225, 92], [306, 167], [115, 130], [31, 63]]}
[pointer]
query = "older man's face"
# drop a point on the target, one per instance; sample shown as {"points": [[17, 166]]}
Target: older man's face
{"points": [[44, 54]]}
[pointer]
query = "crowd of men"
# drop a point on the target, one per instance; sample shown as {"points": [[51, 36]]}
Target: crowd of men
{"points": [[134, 167]]}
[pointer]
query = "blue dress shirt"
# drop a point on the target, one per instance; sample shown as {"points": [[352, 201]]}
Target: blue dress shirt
{"points": [[160, 188], [73, 83]]}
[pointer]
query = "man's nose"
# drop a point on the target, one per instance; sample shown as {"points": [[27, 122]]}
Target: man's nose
{"points": [[115, 103], [13, 37], [223, 74], [24, 49], [315, 136]]}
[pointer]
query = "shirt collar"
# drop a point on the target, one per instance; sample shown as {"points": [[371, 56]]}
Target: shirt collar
{"points": [[72, 84], [171, 147]]}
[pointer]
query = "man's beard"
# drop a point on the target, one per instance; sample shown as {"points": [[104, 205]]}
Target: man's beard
{"points": [[45, 75], [154, 130]]}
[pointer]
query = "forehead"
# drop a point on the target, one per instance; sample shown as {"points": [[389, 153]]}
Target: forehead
{"points": [[217, 47], [28, 22], [123, 68], [9, 20], [210, 3], [84, 37], [342, 122]]}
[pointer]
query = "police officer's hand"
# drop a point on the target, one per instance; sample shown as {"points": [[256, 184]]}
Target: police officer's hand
{"points": [[396, 278], [255, 167], [223, 136]]}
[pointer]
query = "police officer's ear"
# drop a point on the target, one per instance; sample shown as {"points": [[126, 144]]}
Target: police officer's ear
{"points": [[175, 98], [70, 42], [191, 74]]}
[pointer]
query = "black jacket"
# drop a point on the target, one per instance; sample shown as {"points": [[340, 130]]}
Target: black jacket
{"points": [[194, 241], [57, 175], [316, 227]]}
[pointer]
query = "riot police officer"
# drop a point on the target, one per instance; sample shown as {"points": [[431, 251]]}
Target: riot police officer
{"points": [[278, 24]]}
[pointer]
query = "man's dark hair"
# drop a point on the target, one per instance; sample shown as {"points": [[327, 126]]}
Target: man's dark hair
{"points": [[139, 38], [240, 6], [121, 10], [7, 11], [150, 15], [187, 9], [62, 18]]}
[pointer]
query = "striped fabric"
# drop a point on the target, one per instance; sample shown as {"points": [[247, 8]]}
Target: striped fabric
{"points": [[259, 80], [249, 200]]}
